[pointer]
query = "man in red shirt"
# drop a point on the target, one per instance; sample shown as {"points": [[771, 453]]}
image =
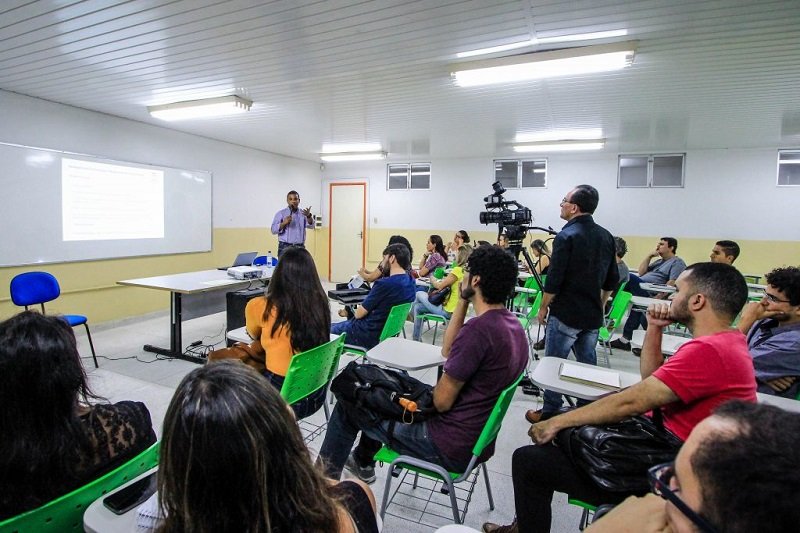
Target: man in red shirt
{"points": [[713, 368]]}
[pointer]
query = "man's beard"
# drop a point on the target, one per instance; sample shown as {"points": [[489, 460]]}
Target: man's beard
{"points": [[385, 269], [681, 314]]}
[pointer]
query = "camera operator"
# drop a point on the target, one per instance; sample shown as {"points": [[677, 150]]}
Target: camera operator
{"points": [[582, 274]]}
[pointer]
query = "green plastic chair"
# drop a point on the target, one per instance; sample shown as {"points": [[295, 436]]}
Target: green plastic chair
{"points": [[312, 370], [394, 325], [436, 319], [523, 300], [527, 319], [619, 306], [431, 470], [65, 513]]}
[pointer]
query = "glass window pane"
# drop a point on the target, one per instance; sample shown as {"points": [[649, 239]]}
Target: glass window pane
{"points": [[398, 177], [506, 173], [790, 155], [534, 173], [420, 176], [789, 173], [668, 171], [632, 171]]}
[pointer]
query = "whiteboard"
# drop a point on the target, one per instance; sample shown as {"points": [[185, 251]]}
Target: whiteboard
{"points": [[31, 216]]}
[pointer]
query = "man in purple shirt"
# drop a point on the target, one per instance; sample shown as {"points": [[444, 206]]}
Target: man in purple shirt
{"points": [[290, 223], [484, 356]]}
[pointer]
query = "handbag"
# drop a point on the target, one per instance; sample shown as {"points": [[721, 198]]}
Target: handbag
{"points": [[617, 456], [438, 296], [253, 354]]}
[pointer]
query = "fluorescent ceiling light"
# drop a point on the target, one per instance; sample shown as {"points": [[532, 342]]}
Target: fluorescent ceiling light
{"points": [[353, 156], [558, 135], [537, 65], [543, 40], [350, 147], [560, 146], [207, 107]]}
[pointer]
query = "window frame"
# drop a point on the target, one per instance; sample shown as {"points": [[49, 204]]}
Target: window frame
{"points": [[782, 151], [519, 162], [650, 165], [408, 168]]}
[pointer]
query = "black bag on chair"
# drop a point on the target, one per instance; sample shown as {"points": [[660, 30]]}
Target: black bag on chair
{"points": [[438, 296], [617, 456]]}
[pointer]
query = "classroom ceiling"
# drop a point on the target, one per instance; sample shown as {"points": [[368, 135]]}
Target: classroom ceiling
{"points": [[707, 74]]}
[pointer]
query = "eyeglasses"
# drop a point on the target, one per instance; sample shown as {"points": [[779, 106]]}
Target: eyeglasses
{"points": [[565, 201], [774, 299], [659, 477]]}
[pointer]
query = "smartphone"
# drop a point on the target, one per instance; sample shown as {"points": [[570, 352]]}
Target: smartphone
{"points": [[134, 494]]}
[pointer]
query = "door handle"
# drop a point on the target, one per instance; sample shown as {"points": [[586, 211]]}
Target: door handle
{"points": [[360, 234]]}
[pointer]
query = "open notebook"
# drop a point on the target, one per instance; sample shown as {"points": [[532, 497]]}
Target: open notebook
{"points": [[592, 376]]}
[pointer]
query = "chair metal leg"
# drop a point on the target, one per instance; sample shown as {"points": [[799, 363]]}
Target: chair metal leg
{"points": [[435, 331], [488, 486], [91, 344], [453, 501], [387, 487]]}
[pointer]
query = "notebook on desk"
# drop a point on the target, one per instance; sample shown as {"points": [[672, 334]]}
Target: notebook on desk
{"points": [[595, 377], [243, 259]]}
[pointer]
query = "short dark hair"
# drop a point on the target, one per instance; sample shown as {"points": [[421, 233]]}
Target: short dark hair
{"points": [[620, 246], [786, 280], [586, 198], [400, 253], [723, 286], [288, 194], [464, 235], [672, 242], [729, 248], [399, 239], [498, 272], [750, 476]]}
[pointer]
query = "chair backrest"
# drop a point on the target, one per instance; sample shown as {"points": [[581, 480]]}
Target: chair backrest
{"points": [[311, 370], [260, 260], [395, 321], [495, 420], [618, 307], [66, 512], [534, 310], [438, 272], [531, 282], [31, 288]]}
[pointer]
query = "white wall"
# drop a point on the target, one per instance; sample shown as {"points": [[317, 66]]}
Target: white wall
{"points": [[728, 194], [249, 185]]}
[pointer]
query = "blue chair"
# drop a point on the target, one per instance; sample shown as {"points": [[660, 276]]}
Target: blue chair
{"points": [[32, 288], [261, 260]]}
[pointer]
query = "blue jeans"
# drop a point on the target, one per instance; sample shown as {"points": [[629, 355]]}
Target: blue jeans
{"points": [[422, 306], [354, 338], [560, 339], [282, 246], [407, 439], [635, 318], [302, 408]]}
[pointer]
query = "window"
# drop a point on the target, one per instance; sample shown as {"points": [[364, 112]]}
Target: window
{"points": [[404, 176], [518, 174], [788, 167], [650, 170]]}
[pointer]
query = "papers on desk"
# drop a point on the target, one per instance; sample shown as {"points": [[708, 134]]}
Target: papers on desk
{"points": [[148, 515], [595, 377]]}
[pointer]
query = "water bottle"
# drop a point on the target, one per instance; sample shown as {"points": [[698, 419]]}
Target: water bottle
{"points": [[269, 259]]}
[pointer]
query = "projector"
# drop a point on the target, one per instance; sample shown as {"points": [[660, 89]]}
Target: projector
{"points": [[245, 272]]}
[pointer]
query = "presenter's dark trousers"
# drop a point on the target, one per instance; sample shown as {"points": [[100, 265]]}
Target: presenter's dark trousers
{"points": [[282, 246], [537, 472]]}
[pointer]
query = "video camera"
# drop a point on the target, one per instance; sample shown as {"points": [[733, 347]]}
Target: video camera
{"points": [[513, 221]]}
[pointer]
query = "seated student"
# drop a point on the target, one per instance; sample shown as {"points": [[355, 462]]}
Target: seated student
{"points": [[707, 371], [395, 287], [739, 471], [541, 252], [484, 356], [293, 316], [621, 249], [375, 275], [53, 440], [233, 459], [724, 252], [772, 327], [459, 239], [422, 305], [435, 256]]}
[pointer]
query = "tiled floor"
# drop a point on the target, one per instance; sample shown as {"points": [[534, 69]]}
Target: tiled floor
{"points": [[127, 372]]}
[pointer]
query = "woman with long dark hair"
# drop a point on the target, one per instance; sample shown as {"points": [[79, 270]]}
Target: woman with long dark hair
{"points": [[233, 459], [434, 256], [53, 440], [294, 316]]}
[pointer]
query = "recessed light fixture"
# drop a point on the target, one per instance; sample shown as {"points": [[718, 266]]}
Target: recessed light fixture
{"points": [[353, 156], [204, 108], [560, 146], [537, 65]]}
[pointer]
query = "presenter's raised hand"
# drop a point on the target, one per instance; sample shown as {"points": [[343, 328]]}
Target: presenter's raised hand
{"points": [[307, 212]]}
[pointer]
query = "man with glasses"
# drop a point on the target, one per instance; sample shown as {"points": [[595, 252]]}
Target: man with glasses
{"points": [[711, 369], [772, 327], [582, 274], [739, 471]]}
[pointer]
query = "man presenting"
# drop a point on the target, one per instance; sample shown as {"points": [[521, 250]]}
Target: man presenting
{"points": [[484, 356], [583, 272], [290, 223], [772, 327]]}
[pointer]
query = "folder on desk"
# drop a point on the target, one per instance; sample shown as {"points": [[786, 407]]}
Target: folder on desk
{"points": [[592, 376]]}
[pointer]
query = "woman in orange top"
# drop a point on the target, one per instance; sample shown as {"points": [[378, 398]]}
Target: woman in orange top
{"points": [[292, 317]]}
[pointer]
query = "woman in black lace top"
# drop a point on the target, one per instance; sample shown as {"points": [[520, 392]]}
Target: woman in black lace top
{"points": [[51, 439]]}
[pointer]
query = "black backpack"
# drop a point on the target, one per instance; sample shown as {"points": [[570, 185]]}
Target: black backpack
{"points": [[378, 393]]}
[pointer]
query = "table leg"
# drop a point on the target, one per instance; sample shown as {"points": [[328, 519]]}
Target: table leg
{"points": [[175, 334]]}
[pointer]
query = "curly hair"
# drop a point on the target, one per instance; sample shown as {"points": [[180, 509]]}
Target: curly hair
{"points": [[497, 270], [786, 280]]}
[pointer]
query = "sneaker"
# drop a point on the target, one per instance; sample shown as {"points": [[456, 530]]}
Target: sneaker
{"points": [[489, 527], [619, 344], [364, 473], [636, 351]]}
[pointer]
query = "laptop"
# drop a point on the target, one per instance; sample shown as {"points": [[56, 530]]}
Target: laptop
{"points": [[243, 259]]}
